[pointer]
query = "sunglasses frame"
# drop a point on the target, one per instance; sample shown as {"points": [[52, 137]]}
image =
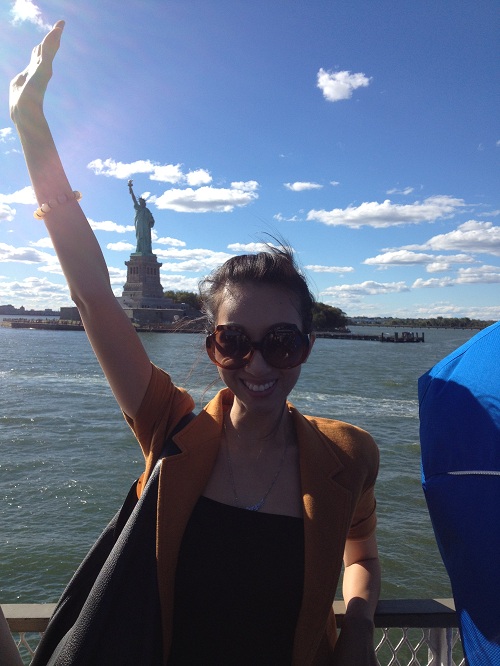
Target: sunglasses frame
{"points": [[211, 343]]}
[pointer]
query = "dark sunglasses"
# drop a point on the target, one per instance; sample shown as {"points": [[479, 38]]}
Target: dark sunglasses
{"points": [[283, 346]]}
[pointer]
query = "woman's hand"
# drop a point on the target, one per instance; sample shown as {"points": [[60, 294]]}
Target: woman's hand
{"points": [[361, 587], [355, 645], [27, 89]]}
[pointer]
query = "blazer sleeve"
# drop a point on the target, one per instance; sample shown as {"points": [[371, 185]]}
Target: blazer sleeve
{"points": [[163, 406], [364, 520]]}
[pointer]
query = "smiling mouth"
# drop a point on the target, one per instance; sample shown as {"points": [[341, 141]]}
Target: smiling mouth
{"points": [[259, 388]]}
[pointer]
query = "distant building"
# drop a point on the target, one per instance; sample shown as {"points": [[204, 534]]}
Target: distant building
{"points": [[10, 310], [69, 313]]}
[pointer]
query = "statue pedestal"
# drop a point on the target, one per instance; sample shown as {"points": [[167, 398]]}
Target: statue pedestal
{"points": [[142, 297], [143, 287]]}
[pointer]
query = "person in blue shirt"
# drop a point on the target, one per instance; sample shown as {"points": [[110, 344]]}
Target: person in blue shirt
{"points": [[460, 447]]}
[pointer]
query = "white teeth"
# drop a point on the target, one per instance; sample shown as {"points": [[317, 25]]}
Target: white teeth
{"points": [[259, 387]]}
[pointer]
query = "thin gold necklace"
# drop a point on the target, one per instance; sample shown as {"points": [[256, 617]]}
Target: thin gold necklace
{"points": [[258, 505]]}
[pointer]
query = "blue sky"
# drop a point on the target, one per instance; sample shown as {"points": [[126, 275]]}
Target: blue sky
{"points": [[365, 132]]}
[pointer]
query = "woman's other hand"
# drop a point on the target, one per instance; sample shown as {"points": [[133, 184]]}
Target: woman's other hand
{"points": [[355, 645]]}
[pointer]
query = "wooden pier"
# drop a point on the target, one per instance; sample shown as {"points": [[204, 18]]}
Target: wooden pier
{"points": [[43, 324], [405, 336]]}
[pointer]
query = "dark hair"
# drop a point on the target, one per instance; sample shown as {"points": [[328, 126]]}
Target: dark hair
{"points": [[276, 266]]}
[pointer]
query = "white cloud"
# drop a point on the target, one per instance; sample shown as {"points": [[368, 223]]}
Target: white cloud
{"points": [[23, 255], [35, 292], [189, 200], [334, 183], [26, 10], [194, 259], [445, 262], [399, 258], [329, 269], [117, 276], [491, 213], [178, 282], [168, 173], [337, 86], [405, 191], [24, 196], [281, 218], [108, 225], [198, 177], [166, 240], [54, 267], [476, 275], [46, 241], [6, 134], [433, 283], [205, 199], [479, 275], [250, 247], [472, 236], [301, 186], [348, 296], [404, 257], [245, 185], [188, 266], [444, 309], [388, 214], [368, 288], [122, 170], [120, 246], [163, 173], [7, 213]]}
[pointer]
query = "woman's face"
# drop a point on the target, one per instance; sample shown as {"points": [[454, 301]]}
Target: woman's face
{"points": [[259, 387]]}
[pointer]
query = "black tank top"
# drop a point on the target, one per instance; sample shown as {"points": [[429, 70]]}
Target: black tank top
{"points": [[238, 588]]}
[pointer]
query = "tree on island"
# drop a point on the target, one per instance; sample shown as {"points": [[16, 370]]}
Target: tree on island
{"points": [[188, 297], [414, 322], [328, 318]]}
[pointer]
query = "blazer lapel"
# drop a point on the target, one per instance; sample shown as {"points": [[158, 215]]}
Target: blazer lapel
{"points": [[183, 478], [327, 514]]}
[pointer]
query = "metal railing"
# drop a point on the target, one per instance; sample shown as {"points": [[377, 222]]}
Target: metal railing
{"points": [[409, 632]]}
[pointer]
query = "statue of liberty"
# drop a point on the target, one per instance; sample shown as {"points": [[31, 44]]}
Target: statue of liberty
{"points": [[144, 222]]}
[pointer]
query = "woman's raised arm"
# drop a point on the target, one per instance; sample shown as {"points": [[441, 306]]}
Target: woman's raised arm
{"points": [[112, 336]]}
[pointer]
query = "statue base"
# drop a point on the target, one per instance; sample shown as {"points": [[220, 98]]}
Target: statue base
{"points": [[142, 297], [143, 287]]}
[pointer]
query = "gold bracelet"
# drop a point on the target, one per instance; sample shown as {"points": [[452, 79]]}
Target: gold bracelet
{"points": [[45, 208]]}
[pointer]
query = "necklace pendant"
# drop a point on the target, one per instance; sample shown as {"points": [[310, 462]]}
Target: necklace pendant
{"points": [[255, 507], [260, 503]]}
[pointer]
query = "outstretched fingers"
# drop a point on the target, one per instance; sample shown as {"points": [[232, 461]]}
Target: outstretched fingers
{"points": [[50, 44]]}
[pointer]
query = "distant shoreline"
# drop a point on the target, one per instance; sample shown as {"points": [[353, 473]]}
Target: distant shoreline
{"points": [[408, 323], [54, 324]]}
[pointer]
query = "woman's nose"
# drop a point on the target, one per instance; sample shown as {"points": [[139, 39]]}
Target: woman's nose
{"points": [[257, 365]]}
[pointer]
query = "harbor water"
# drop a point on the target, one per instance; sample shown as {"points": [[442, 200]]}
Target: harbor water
{"points": [[68, 458]]}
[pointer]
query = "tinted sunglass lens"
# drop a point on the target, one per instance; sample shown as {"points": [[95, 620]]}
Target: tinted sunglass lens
{"points": [[283, 349], [231, 348]]}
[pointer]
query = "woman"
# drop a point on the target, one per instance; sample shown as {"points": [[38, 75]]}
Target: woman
{"points": [[261, 504]]}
